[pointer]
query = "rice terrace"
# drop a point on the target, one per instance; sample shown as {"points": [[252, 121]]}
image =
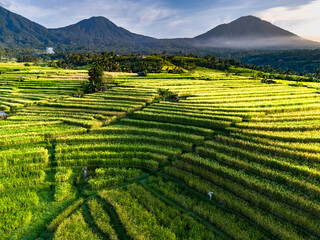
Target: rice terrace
{"points": [[151, 163], [191, 134]]}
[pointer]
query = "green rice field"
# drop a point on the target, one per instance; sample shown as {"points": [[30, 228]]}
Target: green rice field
{"points": [[151, 163]]}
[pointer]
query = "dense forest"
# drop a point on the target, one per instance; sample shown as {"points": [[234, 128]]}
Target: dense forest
{"points": [[280, 64], [298, 61]]}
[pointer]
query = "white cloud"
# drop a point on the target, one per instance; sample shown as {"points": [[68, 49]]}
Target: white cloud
{"points": [[303, 20]]}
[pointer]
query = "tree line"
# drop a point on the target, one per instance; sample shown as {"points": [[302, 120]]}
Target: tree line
{"points": [[278, 64]]}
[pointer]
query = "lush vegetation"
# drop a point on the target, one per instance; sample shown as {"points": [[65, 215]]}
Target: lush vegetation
{"points": [[302, 62], [137, 160]]}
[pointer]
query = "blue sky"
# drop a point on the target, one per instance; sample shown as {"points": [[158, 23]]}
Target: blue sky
{"points": [[168, 19]]}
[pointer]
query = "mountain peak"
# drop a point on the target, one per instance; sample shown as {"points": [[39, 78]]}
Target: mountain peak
{"points": [[251, 32], [91, 24], [247, 27], [249, 18], [98, 31], [96, 19]]}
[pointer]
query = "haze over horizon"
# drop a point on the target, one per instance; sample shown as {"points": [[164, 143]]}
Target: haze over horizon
{"points": [[167, 19]]}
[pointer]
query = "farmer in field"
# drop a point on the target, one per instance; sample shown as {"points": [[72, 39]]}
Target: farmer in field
{"points": [[85, 173], [210, 194]]}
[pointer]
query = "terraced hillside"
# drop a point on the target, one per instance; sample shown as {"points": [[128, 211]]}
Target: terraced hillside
{"points": [[151, 163]]}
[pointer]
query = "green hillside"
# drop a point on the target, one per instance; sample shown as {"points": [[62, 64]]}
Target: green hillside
{"points": [[151, 163]]}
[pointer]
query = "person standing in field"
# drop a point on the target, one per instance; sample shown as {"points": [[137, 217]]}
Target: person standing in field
{"points": [[85, 173], [210, 194]]}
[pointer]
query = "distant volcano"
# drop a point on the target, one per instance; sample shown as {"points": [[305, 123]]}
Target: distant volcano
{"points": [[251, 32], [99, 31]]}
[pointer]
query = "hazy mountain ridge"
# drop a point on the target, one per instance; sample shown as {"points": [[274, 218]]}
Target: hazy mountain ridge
{"points": [[99, 33], [251, 32]]}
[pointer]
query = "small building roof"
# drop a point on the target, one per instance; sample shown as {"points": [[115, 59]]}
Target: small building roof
{"points": [[3, 114]]}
